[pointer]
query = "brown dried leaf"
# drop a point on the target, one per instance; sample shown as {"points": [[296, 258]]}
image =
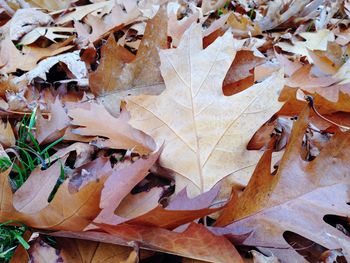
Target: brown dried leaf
{"points": [[209, 5], [241, 69], [195, 242], [12, 59], [49, 130], [26, 200], [273, 204], [79, 251], [113, 75], [51, 5], [56, 215], [243, 26], [124, 180], [7, 137], [180, 211], [100, 26], [120, 134]]}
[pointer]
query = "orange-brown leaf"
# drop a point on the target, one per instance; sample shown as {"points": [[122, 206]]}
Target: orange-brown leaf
{"points": [[195, 242], [67, 211]]}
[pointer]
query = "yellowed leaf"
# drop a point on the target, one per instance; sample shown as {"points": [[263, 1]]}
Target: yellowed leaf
{"points": [[313, 41]]}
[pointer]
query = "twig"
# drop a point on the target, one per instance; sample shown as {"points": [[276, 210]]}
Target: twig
{"points": [[310, 99]]}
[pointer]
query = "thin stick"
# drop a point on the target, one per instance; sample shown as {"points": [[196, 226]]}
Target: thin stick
{"points": [[310, 99]]}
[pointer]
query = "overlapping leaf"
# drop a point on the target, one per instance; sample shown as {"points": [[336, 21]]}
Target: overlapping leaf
{"points": [[296, 198]]}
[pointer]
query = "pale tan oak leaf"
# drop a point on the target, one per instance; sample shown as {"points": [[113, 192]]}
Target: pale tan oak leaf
{"points": [[204, 132]]}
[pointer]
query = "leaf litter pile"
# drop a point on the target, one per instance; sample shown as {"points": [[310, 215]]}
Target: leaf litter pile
{"points": [[175, 131]]}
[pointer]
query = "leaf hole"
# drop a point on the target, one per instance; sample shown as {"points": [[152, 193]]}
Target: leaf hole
{"points": [[307, 248], [341, 223]]}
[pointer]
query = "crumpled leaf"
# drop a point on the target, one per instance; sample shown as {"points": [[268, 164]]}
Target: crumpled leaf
{"points": [[77, 13], [180, 211], [203, 131], [277, 14], [48, 32], [329, 87], [303, 79], [83, 153], [113, 75], [100, 26], [313, 41], [120, 134], [243, 26], [25, 20], [273, 204], [71, 60], [12, 59]]}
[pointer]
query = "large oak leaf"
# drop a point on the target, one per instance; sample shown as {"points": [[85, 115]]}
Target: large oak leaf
{"points": [[297, 197], [205, 132]]}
